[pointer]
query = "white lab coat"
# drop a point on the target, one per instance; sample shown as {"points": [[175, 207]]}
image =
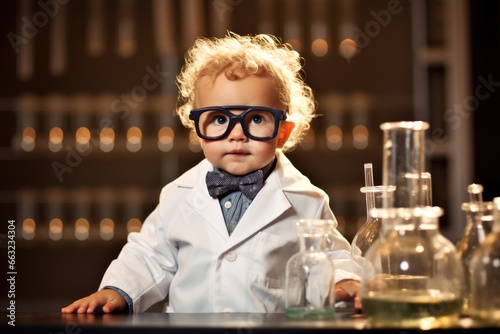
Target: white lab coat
{"points": [[184, 249]]}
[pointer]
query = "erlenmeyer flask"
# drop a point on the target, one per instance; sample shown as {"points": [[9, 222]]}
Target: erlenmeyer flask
{"points": [[413, 276], [478, 225]]}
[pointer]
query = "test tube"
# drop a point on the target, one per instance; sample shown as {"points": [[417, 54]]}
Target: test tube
{"points": [[82, 105], [360, 103], [55, 201], [133, 200], [106, 213], [55, 105], [293, 35], [319, 28], [26, 107], [82, 198], [333, 104], [26, 208]]}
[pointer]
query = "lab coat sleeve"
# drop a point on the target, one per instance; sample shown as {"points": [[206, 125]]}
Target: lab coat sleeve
{"points": [[146, 264]]}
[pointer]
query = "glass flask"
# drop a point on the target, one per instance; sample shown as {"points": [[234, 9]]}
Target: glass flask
{"points": [[414, 277], [478, 225], [370, 230], [412, 274], [310, 290], [485, 274]]}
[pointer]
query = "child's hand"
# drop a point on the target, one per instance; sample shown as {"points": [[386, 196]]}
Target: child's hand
{"points": [[110, 300], [347, 290]]}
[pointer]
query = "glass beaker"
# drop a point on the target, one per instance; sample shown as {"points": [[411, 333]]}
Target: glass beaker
{"points": [[310, 285], [485, 274], [479, 216], [403, 163]]}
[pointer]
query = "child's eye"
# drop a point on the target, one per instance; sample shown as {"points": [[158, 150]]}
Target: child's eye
{"points": [[257, 119], [220, 120]]}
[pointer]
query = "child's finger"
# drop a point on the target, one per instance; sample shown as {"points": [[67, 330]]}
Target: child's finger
{"points": [[71, 308], [68, 309], [83, 307], [110, 306]]}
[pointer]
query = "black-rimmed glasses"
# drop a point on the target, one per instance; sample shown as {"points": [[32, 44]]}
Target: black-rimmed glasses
{"points": [[258, 123]]}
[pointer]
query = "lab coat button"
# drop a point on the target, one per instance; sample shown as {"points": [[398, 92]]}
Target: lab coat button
{"points": [[227, 205], [231, 256]]}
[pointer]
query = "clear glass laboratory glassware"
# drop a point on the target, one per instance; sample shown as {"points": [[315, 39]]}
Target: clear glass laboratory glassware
{"points": [[310, 291], [403, 163], [479, 216], [415, 277], [370, 230], [485, 274], [427, 188], [412, 275]]}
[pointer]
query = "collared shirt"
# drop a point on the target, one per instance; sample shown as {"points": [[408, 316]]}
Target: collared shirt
{"points": [[233, 207], [234, 204]]}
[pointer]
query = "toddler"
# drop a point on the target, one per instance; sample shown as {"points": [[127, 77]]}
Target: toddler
{"points": [[222, 233]]}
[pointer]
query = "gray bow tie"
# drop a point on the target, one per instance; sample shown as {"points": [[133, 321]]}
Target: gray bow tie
{"points": [[220, 184]]}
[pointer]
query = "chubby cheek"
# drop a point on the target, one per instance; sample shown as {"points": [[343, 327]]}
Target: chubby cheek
{"points": [[264, 153], [211, 150]]}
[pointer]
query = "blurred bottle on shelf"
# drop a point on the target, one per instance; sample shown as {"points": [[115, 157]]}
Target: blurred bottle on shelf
{"points": [[478, 225], [485, 274]]}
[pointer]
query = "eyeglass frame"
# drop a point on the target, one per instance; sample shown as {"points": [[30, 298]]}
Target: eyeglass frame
{"points": [[279, 115]]}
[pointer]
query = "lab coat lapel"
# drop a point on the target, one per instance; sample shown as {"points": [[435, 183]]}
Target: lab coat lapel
{"points": [[203, 205], [269, 204]]}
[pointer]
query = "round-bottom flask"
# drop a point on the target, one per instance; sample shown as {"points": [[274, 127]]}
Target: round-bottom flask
{"points": [[309, 273], [413, 276], [370, 230], [485, 274]]}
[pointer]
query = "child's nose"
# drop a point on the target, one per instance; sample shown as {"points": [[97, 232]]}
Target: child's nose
{"points": [[237, 133]]}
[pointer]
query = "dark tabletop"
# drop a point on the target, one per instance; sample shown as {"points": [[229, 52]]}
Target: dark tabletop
{"points": [[57, 323]]}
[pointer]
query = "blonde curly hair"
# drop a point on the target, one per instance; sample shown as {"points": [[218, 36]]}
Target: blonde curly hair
{"points": [[261, 55]]}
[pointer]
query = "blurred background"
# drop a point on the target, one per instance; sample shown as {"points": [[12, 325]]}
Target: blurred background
{"points": [[88, 137]]}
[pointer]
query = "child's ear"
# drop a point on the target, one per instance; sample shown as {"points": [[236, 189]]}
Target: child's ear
{"points": [[284, 133]]}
